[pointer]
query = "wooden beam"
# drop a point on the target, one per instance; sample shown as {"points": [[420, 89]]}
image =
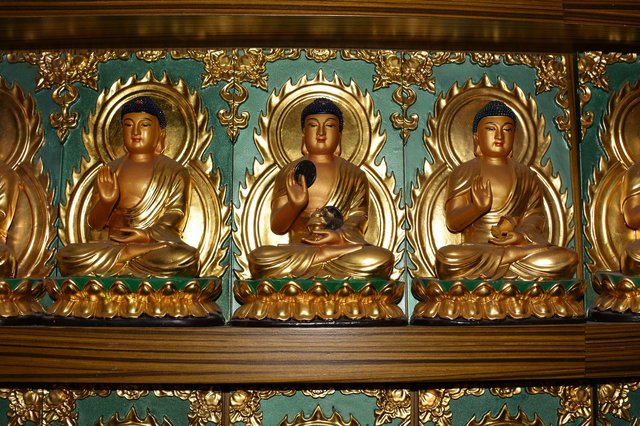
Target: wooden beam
{"points": [[251, 356]]}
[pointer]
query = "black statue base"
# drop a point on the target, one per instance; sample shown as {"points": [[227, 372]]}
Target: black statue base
{"points": [[142, 321], [342, 322], [610, 316], [507, 321], [21, 320]]}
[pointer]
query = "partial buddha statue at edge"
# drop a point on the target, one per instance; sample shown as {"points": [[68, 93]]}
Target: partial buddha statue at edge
{"points": [[10, 186], [299, 208], [630, 207], [142, 199], [496, 203]]}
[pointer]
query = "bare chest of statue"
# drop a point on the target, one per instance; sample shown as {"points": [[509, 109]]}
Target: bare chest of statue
{"points": [[133, 180], [501, 176], [323, 187]]}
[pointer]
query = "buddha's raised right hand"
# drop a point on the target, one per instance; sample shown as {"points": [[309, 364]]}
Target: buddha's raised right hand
{"points": [[297, 192], [481, 195], [107, 185]]}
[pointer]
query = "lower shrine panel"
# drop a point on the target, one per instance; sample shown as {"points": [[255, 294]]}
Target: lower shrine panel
{"points": [[615, 403]]}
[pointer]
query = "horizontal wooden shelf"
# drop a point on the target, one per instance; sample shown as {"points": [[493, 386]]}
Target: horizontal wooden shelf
{"points": [[520, 25], [321, 355]]}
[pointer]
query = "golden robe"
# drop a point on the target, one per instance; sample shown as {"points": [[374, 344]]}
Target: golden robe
{"points": [[297, 259], [162, 212], [630, 259], [478, 258], [10, 185]]}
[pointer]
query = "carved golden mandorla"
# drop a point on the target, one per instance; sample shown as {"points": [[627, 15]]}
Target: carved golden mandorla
{"points": [[292, 302], [278, 143], [317, 418], [32, 229], [132, 419], [605, 229], [504, 418], [449, 143], [207, 225], [484, 302], [92, 300]]}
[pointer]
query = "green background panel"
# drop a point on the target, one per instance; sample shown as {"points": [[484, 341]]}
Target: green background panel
{"points": [[360, 406], [91, 409]]}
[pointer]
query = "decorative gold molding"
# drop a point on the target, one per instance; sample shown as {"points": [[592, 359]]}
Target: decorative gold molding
{"points": [[245, 405], [485, 59], [61, 69], [318, 393], [448, 129], [133, 298], [372, 301], [59, 405], [25, 405], [482, 301], [132, 393], [21, 300], [434, 404], [504, 418], [235, 66], [616, 293], [406, 70], [321, 55], [132, 419], [392, 404], [592, 70], [613, 398], [205, 406], [552, 73], [151, 55], [388, 65], [505, 392], [576, 402], [405, 122]]}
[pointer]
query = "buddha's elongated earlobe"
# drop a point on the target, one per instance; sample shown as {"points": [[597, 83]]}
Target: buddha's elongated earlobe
{"points": [[476, 146], [159, 149]]}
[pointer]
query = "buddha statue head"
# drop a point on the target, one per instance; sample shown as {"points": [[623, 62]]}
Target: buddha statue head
{"points": [[322, 123], [143, 126], [494, 130]]}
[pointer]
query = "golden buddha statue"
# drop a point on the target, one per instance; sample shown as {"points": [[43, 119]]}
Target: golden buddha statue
{"points": [[324, 210], [142, 200], [630, 207], [496, 203], [10, 186]]}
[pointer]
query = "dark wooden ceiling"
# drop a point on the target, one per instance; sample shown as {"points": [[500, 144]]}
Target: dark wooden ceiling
{"points": [[485, 25]]}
